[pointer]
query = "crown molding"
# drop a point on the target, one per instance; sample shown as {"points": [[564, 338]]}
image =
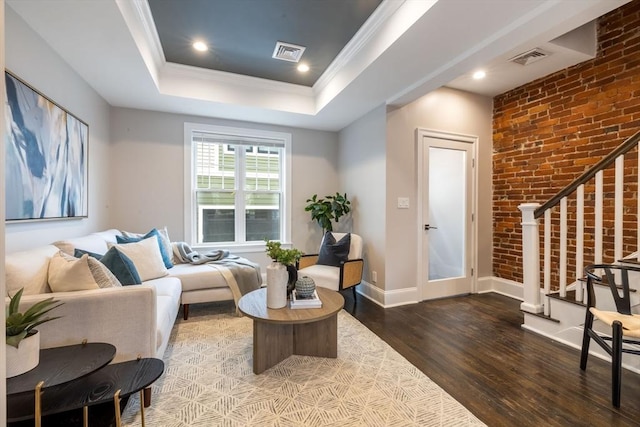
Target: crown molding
{"points": [[369, 29]]}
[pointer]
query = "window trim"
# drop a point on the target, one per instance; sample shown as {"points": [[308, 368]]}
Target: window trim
{"points": [[190, 225]]}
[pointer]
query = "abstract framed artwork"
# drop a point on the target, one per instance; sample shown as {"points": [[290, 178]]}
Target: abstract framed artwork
{"points": [[46, 162]]}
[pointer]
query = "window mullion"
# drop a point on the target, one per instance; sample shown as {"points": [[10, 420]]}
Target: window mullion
{"points": [[240, 214]]}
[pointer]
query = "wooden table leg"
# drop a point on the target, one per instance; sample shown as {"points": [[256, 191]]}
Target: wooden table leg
{"points": [[316, 338], [272, 343]]}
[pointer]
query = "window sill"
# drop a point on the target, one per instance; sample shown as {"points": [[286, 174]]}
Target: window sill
{"points": [[236, 248]]}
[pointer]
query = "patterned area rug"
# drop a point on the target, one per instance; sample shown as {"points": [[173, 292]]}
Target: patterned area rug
{"points": [[208, 381]]}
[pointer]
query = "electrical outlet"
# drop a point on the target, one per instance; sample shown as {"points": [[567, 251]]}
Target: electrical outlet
{"points": [[374, 276]]}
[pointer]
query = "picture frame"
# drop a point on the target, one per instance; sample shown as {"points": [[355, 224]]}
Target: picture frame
{"points": [[46, 157]]}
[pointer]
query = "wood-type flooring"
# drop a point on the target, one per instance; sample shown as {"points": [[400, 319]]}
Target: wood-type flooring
{"points": [[475, 349]]}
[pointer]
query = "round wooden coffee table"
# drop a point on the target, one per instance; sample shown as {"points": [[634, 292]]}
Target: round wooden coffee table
{"points": [[279, 333]]}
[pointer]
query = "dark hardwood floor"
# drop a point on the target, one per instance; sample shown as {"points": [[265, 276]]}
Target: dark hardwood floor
{"points": [[474, 348]]}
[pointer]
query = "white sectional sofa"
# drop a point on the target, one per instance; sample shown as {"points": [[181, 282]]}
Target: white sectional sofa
{"points": [[136, 319]]}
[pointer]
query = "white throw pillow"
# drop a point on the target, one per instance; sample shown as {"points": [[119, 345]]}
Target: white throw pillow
{"points": [[70, 274], [146, 257]]}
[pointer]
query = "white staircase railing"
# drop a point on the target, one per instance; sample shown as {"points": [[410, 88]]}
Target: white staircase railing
{"points": [[574, 227]]}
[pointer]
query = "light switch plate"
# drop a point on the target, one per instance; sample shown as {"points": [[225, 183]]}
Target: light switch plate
{"points": [[403, 203]]}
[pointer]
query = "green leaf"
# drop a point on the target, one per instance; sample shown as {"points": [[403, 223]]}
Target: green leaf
{"points": [[15, 302], [14, 340]]}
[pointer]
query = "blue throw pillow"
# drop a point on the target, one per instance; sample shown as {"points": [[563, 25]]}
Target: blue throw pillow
{"points": [[121, 266], [332, 252], [166, 254], [79, 252]]}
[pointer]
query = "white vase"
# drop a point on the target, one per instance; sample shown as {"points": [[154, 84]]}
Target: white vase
{"points": [[25, 357], [277, 278]]}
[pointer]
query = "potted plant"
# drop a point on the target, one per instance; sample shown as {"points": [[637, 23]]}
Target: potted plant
{"points": [[23, 341], [328, 209], [281, 273]]}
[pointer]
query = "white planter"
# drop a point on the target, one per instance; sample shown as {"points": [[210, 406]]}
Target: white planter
{"points": [[25, 357], [277, 278]]}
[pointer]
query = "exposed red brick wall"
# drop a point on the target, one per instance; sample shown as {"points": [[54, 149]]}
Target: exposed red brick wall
{"points": [[548, 132]]}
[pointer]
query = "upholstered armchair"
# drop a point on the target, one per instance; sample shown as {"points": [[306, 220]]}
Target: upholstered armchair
{"points": [[346, 271]]}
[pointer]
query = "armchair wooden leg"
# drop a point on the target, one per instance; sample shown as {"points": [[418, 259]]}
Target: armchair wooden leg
{"points": [[616, 363], [185, 311], [586, 339], [355, 300]]}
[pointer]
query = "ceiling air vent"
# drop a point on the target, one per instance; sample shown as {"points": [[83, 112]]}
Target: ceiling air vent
{"points": [[288, 52], [530, 57]]}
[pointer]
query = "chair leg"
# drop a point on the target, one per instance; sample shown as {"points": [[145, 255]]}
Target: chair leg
{"points": [[616, 363], [185, 311], [355, 300], [586, 339]]}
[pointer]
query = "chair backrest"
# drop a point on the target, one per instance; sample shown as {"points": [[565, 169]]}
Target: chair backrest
{"points": [[617, 278], [355, 249]]}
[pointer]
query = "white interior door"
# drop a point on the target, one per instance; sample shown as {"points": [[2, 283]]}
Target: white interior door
{"points": [[447, 217]]}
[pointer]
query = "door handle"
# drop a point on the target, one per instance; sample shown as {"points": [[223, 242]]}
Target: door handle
{"points": [[429, 227]]}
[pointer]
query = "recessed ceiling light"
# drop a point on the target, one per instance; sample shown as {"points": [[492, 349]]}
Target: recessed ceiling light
{"points": [[303, 68], [479, 75], [200, 46]]}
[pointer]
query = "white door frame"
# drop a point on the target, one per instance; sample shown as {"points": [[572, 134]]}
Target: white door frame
{"points": [[421, 133]]}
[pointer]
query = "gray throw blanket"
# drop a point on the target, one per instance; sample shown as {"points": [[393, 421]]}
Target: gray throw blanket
{"points": [[242, 276]]}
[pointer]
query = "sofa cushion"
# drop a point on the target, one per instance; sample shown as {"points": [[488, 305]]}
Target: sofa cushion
{"points": [[67, 273], [165, 249], [166, 286], [195, 277], [146, 256], [28, 270], [165, 318], [121, 266], [325, 276], [332, 252]]}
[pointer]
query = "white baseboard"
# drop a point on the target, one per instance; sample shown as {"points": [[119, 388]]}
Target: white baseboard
{"points": [[388, 299], [397, 297], [509, 288]]}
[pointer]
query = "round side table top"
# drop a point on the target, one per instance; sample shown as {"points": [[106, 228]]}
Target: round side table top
{"points": [[59, 365], [254, 305]]}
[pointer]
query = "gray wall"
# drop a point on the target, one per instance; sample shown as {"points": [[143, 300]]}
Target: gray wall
{"points": [[445, 110], [147, 186], [363, 177], [29, 57]]}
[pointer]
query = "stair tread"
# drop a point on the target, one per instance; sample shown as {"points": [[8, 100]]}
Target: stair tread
{"points": [[542, 315], [571, 298]]}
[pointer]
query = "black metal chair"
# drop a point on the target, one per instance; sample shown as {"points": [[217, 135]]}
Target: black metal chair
{"points": [[625, 326]]}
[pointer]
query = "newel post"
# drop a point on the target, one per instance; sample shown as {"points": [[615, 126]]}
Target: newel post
{"points": [[530, 259]]}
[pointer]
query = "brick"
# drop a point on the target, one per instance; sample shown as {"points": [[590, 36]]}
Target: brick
{"points": [[550, 131]]}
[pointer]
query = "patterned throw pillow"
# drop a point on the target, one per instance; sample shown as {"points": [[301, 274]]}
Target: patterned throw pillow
{"points": [[102, 275]]}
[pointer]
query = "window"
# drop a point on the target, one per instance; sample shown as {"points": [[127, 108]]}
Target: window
{"points": [[237, 186]]}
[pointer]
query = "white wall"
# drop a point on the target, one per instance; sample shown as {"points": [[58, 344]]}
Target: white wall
{"points": [[445, 110], [29, 57], [147, 183], [363, 177], [3, 285]]}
